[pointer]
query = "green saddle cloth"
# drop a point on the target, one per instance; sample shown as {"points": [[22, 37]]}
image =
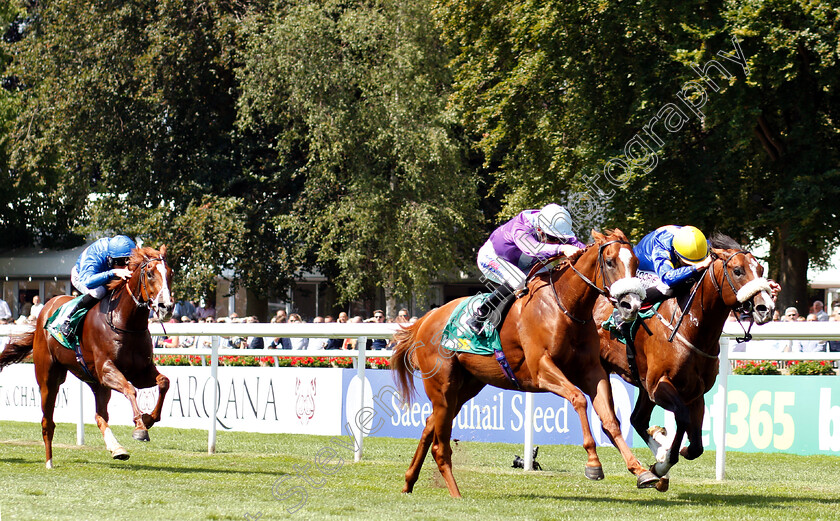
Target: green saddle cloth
{"points": [[458, 337], [609, 324], [53, 323]]}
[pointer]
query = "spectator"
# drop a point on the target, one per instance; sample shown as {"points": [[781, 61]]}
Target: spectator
{"points": [[377, 343], [254, 342], [350, 343], [819, 311], [279, 343], [169, 341], [791, 315], [335, 343], [36, 308], [318, 343], [402, 316], [184, 308], [298, 343], [812, 346], [205, 311]]}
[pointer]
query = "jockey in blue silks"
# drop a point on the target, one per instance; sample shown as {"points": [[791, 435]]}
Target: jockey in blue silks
{"points": [[531, 237], [669, 257], [100, 263]]}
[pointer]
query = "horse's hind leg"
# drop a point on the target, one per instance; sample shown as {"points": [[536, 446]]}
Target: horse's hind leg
{"points": [[413, 473], [50, 376], [103, 396]]}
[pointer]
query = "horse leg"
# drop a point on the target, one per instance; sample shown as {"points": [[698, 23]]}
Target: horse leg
{"points": [[552, 379], [697, 410], [103, 396], [154, 377], [413, 472], [113, 378], [640, 420], [597, 386], [49, 377], [666, 396]]}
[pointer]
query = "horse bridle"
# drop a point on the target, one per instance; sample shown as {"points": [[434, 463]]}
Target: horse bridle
{"points": [[142, 286], [742, 307], [602, 291]]}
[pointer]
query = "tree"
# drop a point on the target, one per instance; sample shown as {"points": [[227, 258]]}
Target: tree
{"points": [[560, 95], [356, 94], [134, 104]]}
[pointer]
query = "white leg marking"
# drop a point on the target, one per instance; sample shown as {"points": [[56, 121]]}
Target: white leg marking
{"points": [[111, 442], [49, 463]]}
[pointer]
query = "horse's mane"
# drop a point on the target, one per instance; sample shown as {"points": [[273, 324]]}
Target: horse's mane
{"points": [[722, 241], [138, 257]]}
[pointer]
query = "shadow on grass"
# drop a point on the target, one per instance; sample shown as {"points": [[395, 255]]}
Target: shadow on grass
{"points": [[695, 499], [173, 469]]}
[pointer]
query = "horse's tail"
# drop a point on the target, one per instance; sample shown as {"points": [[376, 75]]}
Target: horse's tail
{"points": [[404, 360], [18, 348]]}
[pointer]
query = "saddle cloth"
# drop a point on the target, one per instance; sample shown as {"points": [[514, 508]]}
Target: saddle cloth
{"points": [[458, 337], [59, 316]]}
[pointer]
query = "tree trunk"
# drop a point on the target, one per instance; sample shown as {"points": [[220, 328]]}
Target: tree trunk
{"points": [[390, 301], [790, 266]]}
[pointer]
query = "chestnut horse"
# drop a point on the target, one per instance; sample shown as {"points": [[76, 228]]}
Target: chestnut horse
{"points": [[675, 375], [115, 344], [550, 343]]}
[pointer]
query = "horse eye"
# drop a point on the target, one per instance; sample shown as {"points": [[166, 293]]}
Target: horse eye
{"points": [[738, 272], [610, 263]]}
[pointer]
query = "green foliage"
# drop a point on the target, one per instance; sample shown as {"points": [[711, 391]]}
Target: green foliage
{"points": [[763, 367], [359, 89], [815, 367]]}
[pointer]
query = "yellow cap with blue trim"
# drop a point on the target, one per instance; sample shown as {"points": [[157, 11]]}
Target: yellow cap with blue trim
{"points": [[690, 245]]}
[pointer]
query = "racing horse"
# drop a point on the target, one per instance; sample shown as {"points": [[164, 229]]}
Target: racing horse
{"points": [[550, 343], [676, 352], [115, 347]]}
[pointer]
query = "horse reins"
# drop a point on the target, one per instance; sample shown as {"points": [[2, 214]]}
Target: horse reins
{"points": [[141, 287], [602, 291]]}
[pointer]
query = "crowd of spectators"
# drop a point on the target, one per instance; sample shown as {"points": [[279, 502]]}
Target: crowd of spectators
{"points": [[188, 312], [816, 313]]}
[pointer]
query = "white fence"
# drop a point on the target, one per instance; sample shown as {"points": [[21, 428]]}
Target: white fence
{"points": [[362, 332], [771, 331]]}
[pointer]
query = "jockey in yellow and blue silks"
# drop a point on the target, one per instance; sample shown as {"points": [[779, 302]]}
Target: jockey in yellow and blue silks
{"points": [[100, 263], [670, 256]]}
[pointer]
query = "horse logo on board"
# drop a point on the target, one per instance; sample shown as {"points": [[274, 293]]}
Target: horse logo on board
{"points": [[305, 400]]}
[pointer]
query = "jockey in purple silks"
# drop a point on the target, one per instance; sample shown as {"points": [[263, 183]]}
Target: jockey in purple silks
{"points": [[513, 249], [99, 264]]}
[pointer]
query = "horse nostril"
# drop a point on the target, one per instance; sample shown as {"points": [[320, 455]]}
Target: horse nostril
{"points": [[626, 305], [761, 308]]}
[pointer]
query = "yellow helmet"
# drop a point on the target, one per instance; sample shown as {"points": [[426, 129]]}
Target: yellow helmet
{"points": [[690, 245]]}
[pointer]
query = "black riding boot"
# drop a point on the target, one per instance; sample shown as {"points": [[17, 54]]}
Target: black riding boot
{"points": [[87, 302], [493, 308]]}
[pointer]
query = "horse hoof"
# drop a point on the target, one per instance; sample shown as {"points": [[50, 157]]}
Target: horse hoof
{"points": [[594, 473], [662, 484], [120, 454], [140, 435], [647, 479]]}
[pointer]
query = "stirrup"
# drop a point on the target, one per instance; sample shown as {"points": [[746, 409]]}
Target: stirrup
{"points": [[476, 325]]}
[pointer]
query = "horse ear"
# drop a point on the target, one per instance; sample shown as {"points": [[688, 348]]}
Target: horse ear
{"points": [[163, 251], [599, 237]]}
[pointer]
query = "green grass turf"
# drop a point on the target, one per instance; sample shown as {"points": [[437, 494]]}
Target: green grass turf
{"points": [[172, 477]]}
